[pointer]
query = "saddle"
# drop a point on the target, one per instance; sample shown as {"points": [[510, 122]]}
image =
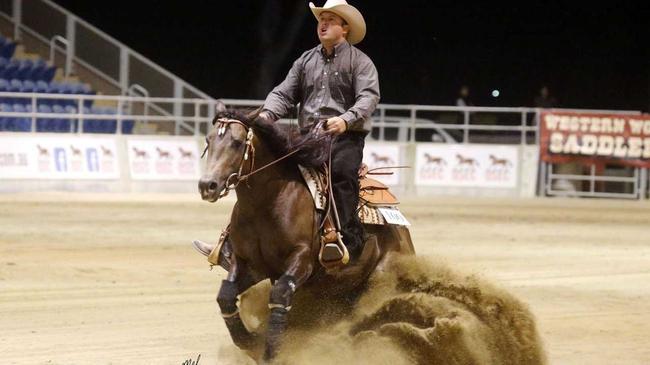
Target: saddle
{"points": [[373, 194]]}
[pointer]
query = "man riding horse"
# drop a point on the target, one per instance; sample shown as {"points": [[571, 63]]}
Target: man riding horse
{"points": [[336, 83]]}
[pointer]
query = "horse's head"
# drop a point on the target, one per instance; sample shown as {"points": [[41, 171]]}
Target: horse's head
{"points": [[226, 150]]}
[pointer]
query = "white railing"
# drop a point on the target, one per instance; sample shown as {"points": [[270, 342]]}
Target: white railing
{"points": [[198, 116]]}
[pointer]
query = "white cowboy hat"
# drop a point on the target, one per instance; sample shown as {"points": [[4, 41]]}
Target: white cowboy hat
{"points": [[357, 26]]}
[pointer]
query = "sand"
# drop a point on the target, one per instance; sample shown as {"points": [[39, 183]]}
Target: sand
{"points": [[112, 279]]}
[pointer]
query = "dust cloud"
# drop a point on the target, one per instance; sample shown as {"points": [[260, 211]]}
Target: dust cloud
{"points": [[414, 311]]}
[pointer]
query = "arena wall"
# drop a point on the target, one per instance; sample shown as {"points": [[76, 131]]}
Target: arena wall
{"points": [[171, 164]]}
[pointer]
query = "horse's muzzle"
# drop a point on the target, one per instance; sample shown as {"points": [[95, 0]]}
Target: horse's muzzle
{"points": [[209, 189]]}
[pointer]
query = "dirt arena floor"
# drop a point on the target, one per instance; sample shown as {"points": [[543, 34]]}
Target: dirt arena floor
{"points": [[112, 279]]}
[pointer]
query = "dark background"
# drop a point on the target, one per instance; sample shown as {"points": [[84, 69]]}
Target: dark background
{"points": [[591, 56]]}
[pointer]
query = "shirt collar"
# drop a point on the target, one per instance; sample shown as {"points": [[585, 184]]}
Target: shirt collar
{"points": [[339, 48]]}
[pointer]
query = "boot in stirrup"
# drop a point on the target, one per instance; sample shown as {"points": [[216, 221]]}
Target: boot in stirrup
{"points": [[219, 254]]}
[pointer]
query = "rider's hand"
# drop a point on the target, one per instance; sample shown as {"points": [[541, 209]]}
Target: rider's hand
{"points": [[336, 125]]}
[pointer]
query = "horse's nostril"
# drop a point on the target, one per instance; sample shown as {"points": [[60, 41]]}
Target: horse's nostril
{"points": [[212, 186]]}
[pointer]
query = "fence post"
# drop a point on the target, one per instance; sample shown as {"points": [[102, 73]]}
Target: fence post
{"points": [[18, 18], [523, 128], [178, 106], [643, 184], [70, 36], [124, 70], [34, 110], [466, 126]]}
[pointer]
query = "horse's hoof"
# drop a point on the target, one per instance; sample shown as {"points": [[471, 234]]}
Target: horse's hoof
{"points": [[202, 247]]}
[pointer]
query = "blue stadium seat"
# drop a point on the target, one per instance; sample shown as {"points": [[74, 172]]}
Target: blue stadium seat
{"points": [[6, 123], [60, 124], [4, 86], [22, 124], [92, 125], [44, 124], [25, 69], [110, 126], [28, 86], [86, 89], [48, 74], [39, 67], [41, 86], [3, 63], [127, 126], [69, 109], [8, 49], [10, 70], [15, 85], [54, 88]]}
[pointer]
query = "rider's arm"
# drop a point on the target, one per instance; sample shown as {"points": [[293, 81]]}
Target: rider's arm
{"points": [[366, 91], [284, 96]]}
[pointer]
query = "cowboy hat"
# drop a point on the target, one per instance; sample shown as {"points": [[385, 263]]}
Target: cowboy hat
{"points": [[357, 26]]}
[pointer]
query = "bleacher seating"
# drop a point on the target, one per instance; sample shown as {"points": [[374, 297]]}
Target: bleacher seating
{"points": [[61, 125], [37, 76]]}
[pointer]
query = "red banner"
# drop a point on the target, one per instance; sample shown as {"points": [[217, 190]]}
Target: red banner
{"points": [[595, 138]]}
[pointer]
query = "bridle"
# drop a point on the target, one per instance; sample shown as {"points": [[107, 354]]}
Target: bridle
{"points": [[249, 152]]}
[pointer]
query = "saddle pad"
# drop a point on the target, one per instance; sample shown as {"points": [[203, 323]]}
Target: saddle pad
{"points": [[370, 215], [315, 186]]}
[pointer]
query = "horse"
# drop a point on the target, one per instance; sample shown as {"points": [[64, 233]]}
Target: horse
{"points": [[466, 160], [500, 161], [274, 227]]}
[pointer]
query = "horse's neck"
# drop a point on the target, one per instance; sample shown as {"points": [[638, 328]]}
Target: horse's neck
{"points": [[262, 186]]}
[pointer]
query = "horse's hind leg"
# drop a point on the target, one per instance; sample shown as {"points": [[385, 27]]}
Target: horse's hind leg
{"points": [[236, 283], [300, 268]]}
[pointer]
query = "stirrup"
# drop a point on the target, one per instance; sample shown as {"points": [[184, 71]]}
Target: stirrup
{"points": [[333, 254], [219, 254]]}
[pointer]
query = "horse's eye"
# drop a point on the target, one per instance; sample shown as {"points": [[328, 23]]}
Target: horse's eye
{"points": [[235, 143]]}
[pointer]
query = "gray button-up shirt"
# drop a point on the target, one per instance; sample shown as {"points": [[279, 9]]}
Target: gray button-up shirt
{"points": [[343, 84]]}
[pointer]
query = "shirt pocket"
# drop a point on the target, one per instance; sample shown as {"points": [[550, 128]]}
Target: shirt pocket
{"points": [[342, 88]]}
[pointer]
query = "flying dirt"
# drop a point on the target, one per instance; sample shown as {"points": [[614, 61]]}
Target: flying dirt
{"points": [[414, 311]]}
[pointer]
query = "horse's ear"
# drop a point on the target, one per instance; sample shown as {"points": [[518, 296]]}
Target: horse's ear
{"points": [[253, 114], [219, 107]]}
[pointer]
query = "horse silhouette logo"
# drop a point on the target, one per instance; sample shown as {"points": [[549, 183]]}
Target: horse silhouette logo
{"points": [[435, 160], [184, 153], [42, 151], [500, 161], [471, 162], [381, 159], [162, 153], [140, 153], [75, 151], [106, 151]]}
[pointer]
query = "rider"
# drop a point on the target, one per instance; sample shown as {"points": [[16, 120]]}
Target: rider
{"points": [[336, 82]]}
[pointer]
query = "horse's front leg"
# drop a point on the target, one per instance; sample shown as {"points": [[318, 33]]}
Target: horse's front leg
{"points": [[237, 281], [300, 267]]}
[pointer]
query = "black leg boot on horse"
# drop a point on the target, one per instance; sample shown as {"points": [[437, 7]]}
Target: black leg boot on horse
{"points": [[236, 283]]}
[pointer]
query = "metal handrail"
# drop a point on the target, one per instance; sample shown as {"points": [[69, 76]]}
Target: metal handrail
{"points": [[66, 48], [102, 97]]}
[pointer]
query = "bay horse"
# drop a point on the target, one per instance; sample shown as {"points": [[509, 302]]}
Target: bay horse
{"points": [[274, 227]]}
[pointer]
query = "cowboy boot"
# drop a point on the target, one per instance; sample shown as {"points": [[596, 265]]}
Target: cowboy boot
{"points": [[219, 254]]}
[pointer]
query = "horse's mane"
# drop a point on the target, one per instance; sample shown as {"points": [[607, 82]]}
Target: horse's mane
{"points": [[282, 139]]}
